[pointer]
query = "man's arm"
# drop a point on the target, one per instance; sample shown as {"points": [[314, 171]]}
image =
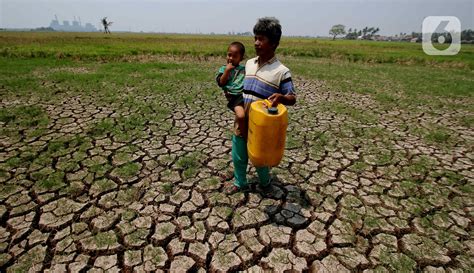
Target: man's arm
{"points": [[286, 95]]}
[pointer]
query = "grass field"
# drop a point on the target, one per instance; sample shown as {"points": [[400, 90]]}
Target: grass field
{"points": [[114, 147], [96, 45], [391, 72]]}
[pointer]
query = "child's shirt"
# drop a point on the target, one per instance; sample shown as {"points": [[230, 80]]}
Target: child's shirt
{"points": [[235, 84]]}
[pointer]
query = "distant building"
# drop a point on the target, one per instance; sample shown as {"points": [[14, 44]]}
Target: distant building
{"points": [[76, 26]]}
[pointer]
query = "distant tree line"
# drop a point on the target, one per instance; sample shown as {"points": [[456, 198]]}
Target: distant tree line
{"points": [[467, 36], [352, 34], [370, 33], [365, 33], [47, 29]]}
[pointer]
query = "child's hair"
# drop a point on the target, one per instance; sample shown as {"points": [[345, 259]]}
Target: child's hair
{"points": [[269, 27], [240, 46]]}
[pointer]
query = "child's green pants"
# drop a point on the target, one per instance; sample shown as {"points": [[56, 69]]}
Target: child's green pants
{"points": [[240, 159]]}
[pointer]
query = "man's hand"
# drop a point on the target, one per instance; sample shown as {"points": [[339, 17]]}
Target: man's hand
{"points": [[275, 99]]}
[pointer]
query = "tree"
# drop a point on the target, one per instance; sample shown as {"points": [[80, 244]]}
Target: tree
{"points": [[364, 31], [337, 30], [106, 25], [467, 35], [351, 34]]}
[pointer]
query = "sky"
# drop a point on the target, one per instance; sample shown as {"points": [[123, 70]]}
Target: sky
{"points": [[297, 17]]}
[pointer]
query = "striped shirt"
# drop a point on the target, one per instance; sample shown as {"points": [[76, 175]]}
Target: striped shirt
{"points": [[263, 81]]}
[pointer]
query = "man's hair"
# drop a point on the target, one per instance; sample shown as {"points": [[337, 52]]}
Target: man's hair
{"points": [[240, 46], [269, 27]]}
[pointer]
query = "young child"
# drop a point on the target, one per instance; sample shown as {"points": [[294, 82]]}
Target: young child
{"points": [[230, 78], [265, 78]]}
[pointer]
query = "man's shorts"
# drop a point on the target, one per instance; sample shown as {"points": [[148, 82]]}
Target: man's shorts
{"points": [[234, 100]]}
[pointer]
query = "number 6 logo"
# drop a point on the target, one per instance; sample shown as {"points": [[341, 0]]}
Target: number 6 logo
{"points": [[445, 25]]}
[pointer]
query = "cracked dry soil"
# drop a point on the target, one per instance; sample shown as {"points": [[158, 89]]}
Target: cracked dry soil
{"points": [[349, 196]]}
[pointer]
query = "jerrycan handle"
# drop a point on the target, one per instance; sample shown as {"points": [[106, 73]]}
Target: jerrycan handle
{"points": [[267, 103]]}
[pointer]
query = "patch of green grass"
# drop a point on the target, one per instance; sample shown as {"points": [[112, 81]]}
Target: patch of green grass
{"points": [[154, 111], [122, 156], [418, 168], [103, 239], [129, 215], [30, 258], [129, 169], [467, 188], [418, 205], [102, 127], [467, 121], [100, 169], [14, 162], [104, 184], [8, 189], [128, 195], [439, 136], [212, 181], [382, 156], [57, 148], [353, 216], [189, 164], [359, 167], [190, 172], [68, 166], [157, 254], [371, 222], [24, 116], [293, 141], [409, 186], [138, 235], [132, 122], [386, 99], [167, 188], [74, 189], [133, 255], [398, 262], [209, 183], [321, 141], [427, 221], [53, 181], [452, 178], [165, 229], [350, 111]]}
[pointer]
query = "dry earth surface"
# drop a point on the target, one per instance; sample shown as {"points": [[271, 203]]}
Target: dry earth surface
{"points": [[357, 191]]}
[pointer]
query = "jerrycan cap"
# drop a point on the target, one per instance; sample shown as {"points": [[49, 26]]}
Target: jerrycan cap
{"points": [[273, 111]]}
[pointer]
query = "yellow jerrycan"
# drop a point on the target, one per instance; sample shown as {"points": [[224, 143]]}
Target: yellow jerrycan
{"points": [[266, 133]]}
